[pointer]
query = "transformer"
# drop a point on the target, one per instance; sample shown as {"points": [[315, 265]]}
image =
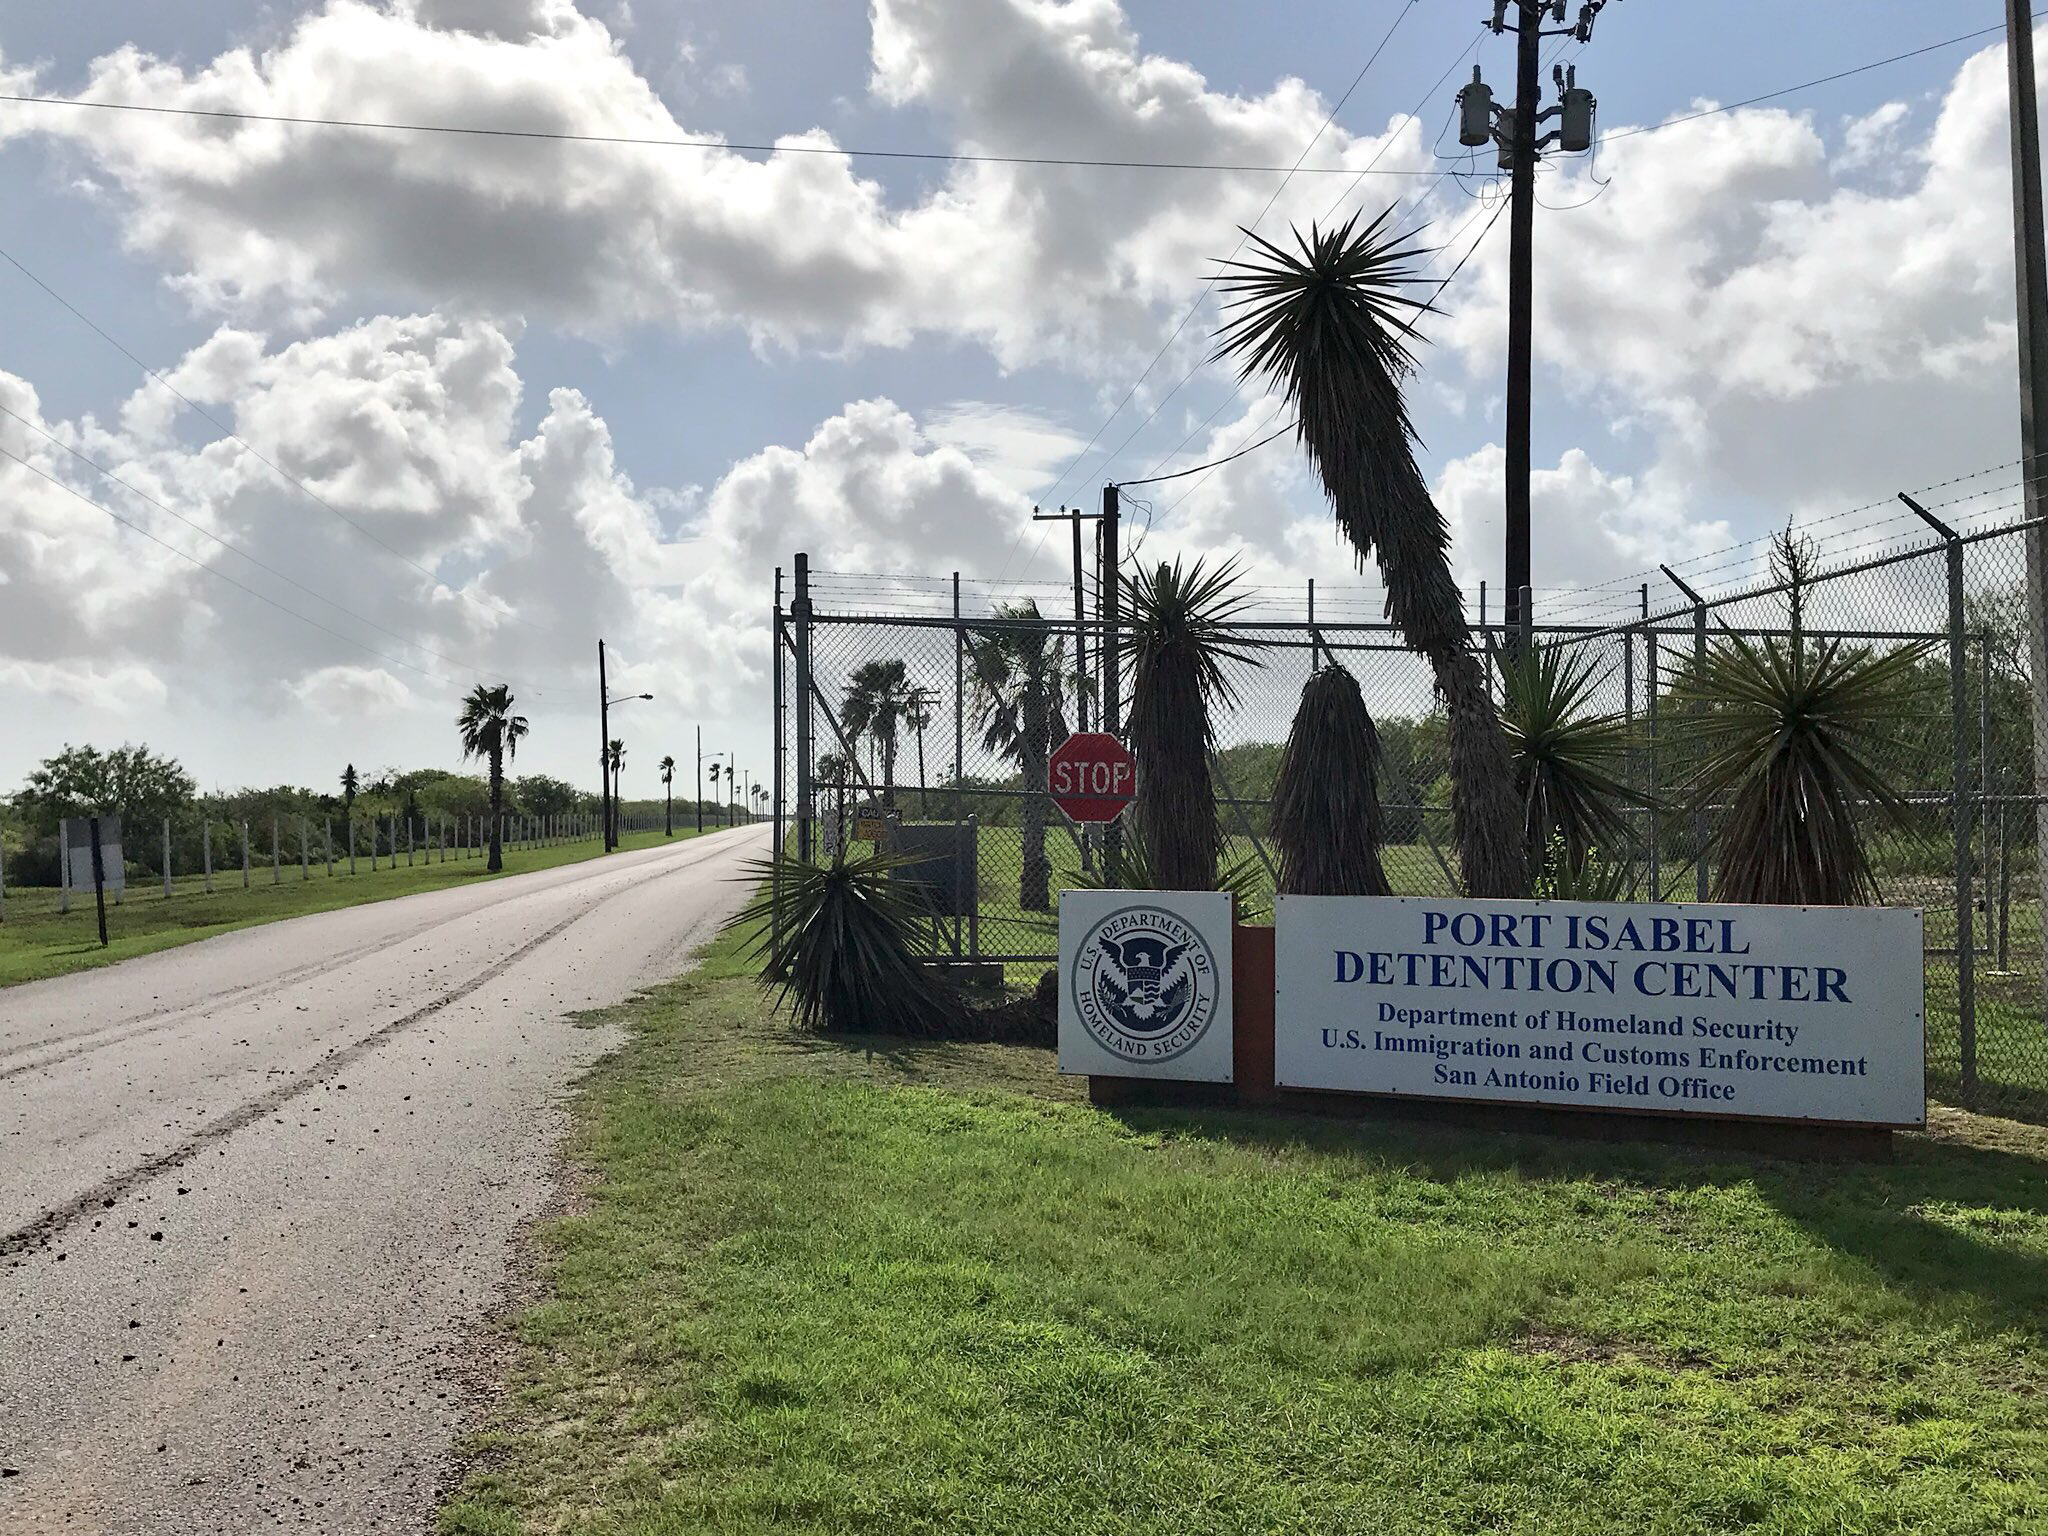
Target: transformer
{"points": [[1475, 113]]}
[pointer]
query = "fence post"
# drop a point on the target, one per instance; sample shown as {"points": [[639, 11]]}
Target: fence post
{"points": [[408, 840], [206, 842], [1959, 803], [3, 880], [245, 854], [167, 858], [327, 837], [1699, 654], [276, 866], [806, 791], [305, 852], [1651, 683], [776, 851], [64, 865]]}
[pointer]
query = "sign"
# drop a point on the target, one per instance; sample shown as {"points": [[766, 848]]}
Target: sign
{"points": [[1145, 984], [939, 868], [78, 853], [1795, 1013], [1093, 777], [869, 829]]}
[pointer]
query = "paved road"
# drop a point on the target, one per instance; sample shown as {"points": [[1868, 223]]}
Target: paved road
{"points": [[256, 1193]]}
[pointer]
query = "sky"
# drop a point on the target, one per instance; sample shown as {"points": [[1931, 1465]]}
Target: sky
{"points": [[430, 410]]}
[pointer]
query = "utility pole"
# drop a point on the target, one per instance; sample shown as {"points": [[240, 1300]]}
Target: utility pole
{"points": [[604, 748], [2031, 265], [1109, 594], [1515, 131], [1077, 517]]}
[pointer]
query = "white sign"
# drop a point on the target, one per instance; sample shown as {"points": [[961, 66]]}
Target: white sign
{"points": [[1145, 984], [1797, 1013]]}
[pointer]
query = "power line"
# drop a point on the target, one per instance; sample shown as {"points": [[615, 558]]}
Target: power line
{"points": [[234, 548], [1807, 85], [284, 474], [558, 136], [1209, 286], [261, 597]]}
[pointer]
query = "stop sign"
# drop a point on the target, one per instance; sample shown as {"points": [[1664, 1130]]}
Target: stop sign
{"points": [[1093, 776]]}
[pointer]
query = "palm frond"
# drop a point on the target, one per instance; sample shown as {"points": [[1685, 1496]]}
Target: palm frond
{"points": [[1789, 740], [1326, 798], [1570, 761]]}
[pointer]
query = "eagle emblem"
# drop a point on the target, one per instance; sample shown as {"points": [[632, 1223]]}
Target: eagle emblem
{"points": [[1143, 983]]}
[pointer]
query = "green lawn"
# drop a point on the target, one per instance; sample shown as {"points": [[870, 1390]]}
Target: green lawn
{"points": [[37, 940], [884, 1287]]}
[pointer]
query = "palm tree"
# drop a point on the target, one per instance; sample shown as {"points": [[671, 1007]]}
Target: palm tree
{"points": [[714, 792], [1331, 325], [1326, 796], [615, 761], [1020, 690], [668, 797], [917, 714], [491, 731], [1181, 640], [351, 782], [877, 700]]}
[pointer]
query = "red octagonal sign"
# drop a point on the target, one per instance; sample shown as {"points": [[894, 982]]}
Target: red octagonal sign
{"points": [[1093, 776]]}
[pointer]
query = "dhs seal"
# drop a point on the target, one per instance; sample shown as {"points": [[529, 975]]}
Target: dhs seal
{"points": [[1144, 984]]}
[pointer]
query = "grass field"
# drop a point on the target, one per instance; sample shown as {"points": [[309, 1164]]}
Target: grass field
{"points": [[37, 940], [839, 1287]]}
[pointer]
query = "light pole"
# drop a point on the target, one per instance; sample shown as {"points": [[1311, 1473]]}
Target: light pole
{"points": [[604, 750]]}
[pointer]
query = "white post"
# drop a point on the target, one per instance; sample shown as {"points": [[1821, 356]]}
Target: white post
{"points": [[167, 858], [208, 844], [276, 865], [245, 855], [305, 860], [64, 862], [408, 842], [3, 882], [351, 845], [327, 837]]}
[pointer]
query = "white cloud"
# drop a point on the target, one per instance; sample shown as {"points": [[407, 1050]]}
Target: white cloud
{"points": [[1031, 262], [112, 690], [351, 691]]}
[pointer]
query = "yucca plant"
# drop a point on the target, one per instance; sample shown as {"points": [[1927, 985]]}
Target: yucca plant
{"points": [[846, 958], [1570, 762], [1596, 876], [1789, 740], [1326, 796], [1182, 640], [1331, 323]]}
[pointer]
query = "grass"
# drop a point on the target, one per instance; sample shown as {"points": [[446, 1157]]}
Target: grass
{"points": [[820, 1286], [37, 940]]}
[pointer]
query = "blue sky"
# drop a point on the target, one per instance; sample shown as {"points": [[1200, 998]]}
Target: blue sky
{"points": [[604, 388]]}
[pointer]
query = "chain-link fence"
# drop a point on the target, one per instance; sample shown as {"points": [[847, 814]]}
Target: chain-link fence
{"points": [[905, 715]]}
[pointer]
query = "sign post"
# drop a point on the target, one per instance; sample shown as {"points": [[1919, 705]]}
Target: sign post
{"points": [[1093, 777]]}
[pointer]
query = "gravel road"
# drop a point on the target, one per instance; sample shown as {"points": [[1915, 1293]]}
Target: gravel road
{"points": [[257, 1193]]}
